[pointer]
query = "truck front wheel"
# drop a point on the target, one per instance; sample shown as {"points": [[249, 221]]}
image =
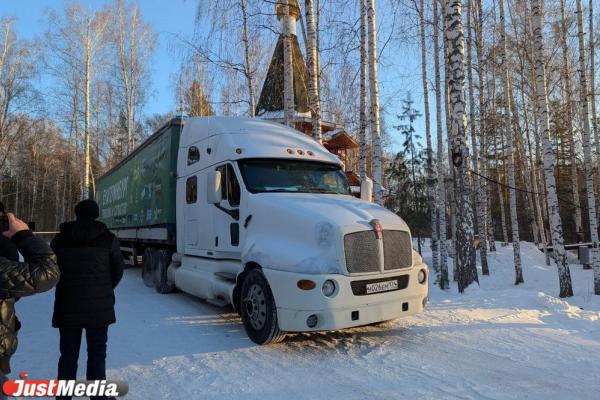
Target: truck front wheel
{"points": [[258, 310]]}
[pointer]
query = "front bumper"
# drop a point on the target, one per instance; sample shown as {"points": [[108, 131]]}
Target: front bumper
{"points": [[344, 309]]}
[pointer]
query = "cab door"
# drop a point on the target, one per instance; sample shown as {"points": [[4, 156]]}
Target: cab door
{"points": [[226, 215], [197, 216]]}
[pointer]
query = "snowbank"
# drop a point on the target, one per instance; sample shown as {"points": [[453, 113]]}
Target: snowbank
{"points": [[497, 341]]}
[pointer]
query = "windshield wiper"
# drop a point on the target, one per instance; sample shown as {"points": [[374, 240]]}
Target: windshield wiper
{"points": [[320, 190], [278, 191]]}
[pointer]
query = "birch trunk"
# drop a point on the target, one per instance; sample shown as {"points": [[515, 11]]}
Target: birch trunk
{"points": [[525, 171], [430, 175], [288, 71], [566, 78], [313, 75], [512, 197], [467, 271], [374, 91], [443, 278], [564, 274], [362, 134], [596, 134], [249, 73], [476, 181], [587, 151], [87, 94], [451, 173], [482, 186]]}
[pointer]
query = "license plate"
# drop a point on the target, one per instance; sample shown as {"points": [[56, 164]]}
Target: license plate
{"points": [[381, 286]]}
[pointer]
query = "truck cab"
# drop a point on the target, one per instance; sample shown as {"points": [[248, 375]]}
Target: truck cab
{"points": [[265, 221]]}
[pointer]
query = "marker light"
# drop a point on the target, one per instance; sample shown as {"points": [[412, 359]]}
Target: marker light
{"points": [[300, 152], [305, 284]]}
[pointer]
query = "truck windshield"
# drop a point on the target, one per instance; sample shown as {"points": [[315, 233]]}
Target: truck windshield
{"points": [[277, 175]]}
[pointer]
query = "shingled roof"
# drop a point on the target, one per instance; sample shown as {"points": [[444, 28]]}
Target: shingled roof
{"points": [[271, 96]]}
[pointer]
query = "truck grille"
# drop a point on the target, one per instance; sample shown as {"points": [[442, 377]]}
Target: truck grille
{"points": [[363, 255], [362, 252], [397, 250]]}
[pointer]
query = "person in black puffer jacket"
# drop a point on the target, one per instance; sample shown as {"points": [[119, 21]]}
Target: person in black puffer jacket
{"points": [[38, 273], [91, 266]]}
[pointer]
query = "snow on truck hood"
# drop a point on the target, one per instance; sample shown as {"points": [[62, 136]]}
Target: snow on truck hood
{"points": [[303, 232], [347, 212]]}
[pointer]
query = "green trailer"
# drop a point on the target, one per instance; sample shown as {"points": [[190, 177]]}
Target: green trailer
{"points": [[137, 196]]}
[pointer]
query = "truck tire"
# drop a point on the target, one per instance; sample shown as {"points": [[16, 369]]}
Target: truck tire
{"points": [[258, 310], [147, 267], [162, 259]]}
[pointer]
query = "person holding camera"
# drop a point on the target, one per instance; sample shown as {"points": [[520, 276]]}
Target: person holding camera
{"points": [[37, 273], [91, 266]]}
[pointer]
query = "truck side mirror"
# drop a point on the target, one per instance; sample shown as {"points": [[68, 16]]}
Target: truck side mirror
{"points": [[213, 189], [366, 189]]}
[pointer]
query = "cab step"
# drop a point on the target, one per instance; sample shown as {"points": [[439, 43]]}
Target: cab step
{"points": [[228, 276], [217, 302]]}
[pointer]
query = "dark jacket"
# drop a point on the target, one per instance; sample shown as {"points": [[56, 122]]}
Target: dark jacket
{"points": [[91, 266], [38, 273], [8, 249]]}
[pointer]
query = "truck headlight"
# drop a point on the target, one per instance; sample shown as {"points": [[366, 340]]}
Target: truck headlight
{"points": [[422, 276], [329, 288]]}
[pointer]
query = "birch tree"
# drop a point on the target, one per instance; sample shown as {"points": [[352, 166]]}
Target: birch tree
{"points": [[487, 240], [596, 134], [134, 43], [248, 60], [467, 271], [362, 130], [288, 70], [587, 150], [441, 173], [510, 138], [313, 73], [566, 79], [564, 274], [479, 204], [374, 98], [429, 152]]}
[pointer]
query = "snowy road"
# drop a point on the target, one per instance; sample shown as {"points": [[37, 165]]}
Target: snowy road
{"points": [[494, 342]]}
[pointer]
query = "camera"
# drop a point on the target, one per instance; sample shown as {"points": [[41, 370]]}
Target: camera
{"points": [[3, 222]]}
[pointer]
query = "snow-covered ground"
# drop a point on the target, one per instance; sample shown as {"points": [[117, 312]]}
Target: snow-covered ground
{"points": [[494, 342]]}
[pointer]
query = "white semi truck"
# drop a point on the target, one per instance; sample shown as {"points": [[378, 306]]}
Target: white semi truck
{"points": [[255, 214]]}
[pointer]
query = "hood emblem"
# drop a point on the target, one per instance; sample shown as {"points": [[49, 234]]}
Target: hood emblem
{"points": [[377, 228]]}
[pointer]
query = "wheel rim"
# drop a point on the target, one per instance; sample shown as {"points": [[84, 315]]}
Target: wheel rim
{"points": [[255, 307]]}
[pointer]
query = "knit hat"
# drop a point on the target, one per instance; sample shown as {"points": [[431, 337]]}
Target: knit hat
{"points": [[87, 209]]}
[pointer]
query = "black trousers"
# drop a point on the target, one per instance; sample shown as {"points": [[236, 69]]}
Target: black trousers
{"points": [[70, 343]]}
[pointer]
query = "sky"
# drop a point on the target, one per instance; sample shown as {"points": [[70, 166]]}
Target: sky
{"points": [[399, 73]]}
